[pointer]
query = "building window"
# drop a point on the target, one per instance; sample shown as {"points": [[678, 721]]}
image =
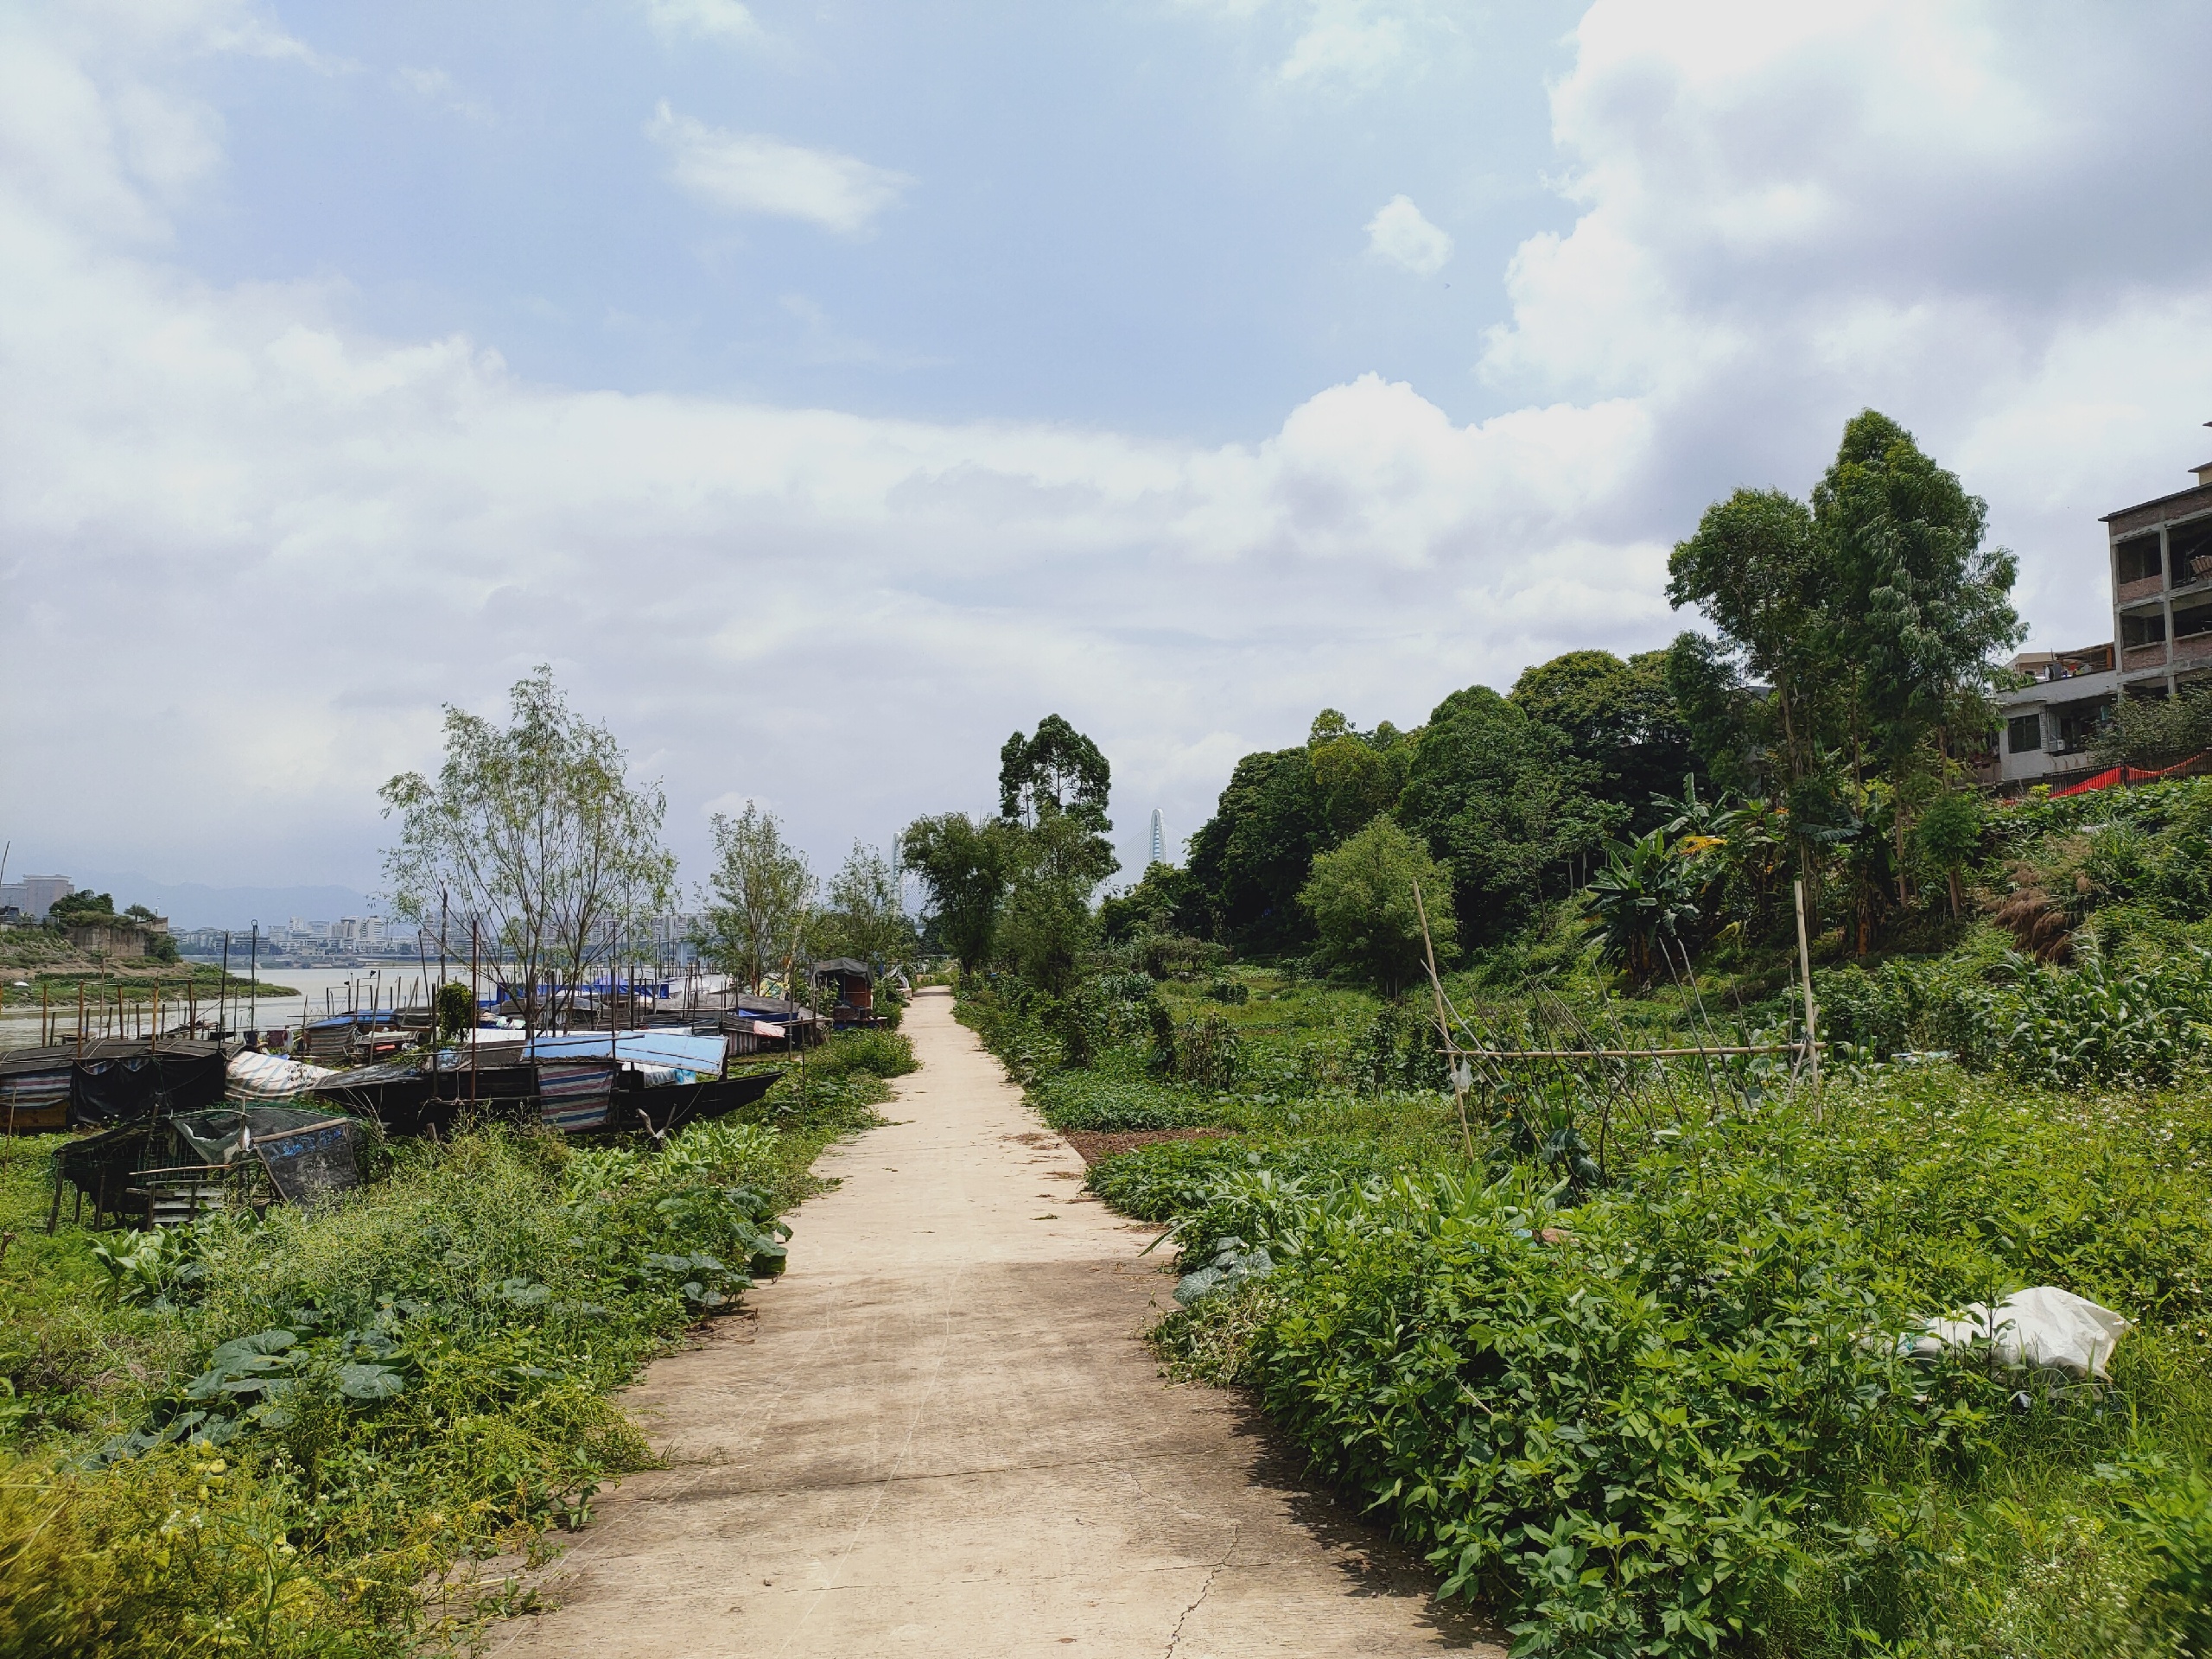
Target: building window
{"points": [[2023, 734], [2078, 723], [2192, 551], [2139, 558], [2142, 628], [2197, 619]]}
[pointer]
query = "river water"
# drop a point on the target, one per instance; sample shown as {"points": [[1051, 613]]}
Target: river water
{"points": [[312, 994]]}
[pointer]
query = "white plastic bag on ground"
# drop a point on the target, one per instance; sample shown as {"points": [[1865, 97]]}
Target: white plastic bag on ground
{"points": [[2044, 1329]]}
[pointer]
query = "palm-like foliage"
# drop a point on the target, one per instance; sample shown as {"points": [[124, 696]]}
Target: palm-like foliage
{"points": [[1643, 904]]}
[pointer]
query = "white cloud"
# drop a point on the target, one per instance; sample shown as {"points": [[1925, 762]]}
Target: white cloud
{"points": [[1786, 214], [1348, 42], [190, 462], [746, 173], [725, 20], [1352, 44], [1402, 235], [1780, 217]]}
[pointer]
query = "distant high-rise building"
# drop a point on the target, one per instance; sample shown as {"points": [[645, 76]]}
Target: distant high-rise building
{"points": [[34, 894], [1159, 838]]}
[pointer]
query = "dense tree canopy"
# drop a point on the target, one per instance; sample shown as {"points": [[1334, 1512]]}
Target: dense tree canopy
{"points": [[1502, 802], [1921, 608], [1248, 861], [1017, 889], [1619, 716], [1874, 615]]}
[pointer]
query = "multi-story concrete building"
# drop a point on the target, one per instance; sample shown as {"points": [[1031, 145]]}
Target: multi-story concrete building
{"points": [[2159, 561]]}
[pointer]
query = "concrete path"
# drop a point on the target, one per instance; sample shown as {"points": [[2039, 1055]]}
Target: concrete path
{"points": [[939, 1434]]}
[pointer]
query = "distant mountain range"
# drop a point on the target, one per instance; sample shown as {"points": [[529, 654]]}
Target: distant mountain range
{"points": [[194, 903]]}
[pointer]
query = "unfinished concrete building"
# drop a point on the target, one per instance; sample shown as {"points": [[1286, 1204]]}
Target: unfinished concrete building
{"points": [[2159, 557]]}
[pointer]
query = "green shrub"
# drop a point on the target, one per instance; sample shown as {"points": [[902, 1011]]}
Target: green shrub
{"points": [[362, 1395], [2169, 1509], [1616, 1422], [1159, 1182], [1099, 1100], [880, 1053], [2071, 1028]]}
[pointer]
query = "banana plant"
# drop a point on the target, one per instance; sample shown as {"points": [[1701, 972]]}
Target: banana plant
{"points": [[1643, 904]]}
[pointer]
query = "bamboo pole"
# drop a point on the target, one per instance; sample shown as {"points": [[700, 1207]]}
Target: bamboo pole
{"points": [[1812, 1009], [1631, 1053], [1443, 1026]]}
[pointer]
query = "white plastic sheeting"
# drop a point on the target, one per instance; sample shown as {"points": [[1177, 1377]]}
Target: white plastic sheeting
{"points": [[252, 1076], [2044, 1329]]}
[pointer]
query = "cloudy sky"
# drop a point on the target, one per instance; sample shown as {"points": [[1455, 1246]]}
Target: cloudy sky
{"points": [[827, 390]]}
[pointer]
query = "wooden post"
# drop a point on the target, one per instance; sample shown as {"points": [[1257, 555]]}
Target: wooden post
{"points": [[1812, 1011]]}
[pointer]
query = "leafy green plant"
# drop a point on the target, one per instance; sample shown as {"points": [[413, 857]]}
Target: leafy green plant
{"points": [[1643, 905], [1543, 1125], [2168, 1510], [2095, 1026]]}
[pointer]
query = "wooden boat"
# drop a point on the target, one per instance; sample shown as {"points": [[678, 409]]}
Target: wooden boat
{"points": [[574, 1094]]}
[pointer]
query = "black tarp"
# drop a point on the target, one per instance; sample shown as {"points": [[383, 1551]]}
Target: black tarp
{"points": [[118, 1081], [407, 1099]]}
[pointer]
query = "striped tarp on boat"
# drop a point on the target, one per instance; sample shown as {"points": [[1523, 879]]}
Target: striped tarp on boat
{"points": [[574, 1096], [35, 1099]]}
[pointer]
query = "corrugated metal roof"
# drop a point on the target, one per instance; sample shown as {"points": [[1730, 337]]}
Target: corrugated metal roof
{"points": [[669, 1048]]}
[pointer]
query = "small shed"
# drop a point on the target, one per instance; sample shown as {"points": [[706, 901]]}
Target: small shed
{"points": [[855, 987], [162, 1170]]}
